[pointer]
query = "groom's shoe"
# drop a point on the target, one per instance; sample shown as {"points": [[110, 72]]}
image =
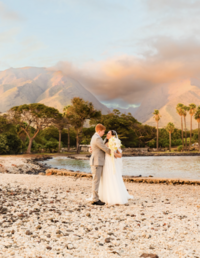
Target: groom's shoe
{"points": [[98, 203]]}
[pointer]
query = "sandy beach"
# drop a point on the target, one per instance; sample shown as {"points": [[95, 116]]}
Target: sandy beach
{"points": [[43, 216]]}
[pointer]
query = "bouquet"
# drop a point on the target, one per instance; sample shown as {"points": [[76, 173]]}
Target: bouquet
{"points": [[114, 144]]}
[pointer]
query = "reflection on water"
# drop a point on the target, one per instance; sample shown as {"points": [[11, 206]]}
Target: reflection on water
{"points": [[169, 167]]}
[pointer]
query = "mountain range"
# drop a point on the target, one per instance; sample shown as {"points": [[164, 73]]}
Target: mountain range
{"points": [[53, 88], [165, 99]]}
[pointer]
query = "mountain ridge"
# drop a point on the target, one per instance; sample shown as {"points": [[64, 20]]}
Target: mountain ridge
{"points": [[34, 84]]}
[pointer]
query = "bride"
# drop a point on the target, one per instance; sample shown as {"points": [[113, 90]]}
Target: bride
{"points": [[112, 189]]}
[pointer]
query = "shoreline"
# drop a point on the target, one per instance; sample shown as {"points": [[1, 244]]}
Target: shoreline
{"points": [[23, 164], [87, 156], [34, 164]]}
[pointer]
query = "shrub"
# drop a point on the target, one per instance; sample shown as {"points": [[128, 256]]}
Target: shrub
{"points": [[177, 142], [165, 144], [85, 142], [152, 143], [51, 146], [14, 143], [4, 149], [180, 148]]}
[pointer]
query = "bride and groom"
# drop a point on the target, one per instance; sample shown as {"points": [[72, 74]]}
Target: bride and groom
{"points": [[107, 185]]}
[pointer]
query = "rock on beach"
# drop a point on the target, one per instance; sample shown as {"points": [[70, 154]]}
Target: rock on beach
{"points": [[24, 165], [49, 217]]}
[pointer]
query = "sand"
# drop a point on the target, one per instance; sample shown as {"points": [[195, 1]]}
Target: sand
{"points": [[43, 216]]}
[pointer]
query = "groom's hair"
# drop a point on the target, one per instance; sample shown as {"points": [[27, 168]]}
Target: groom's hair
{"points": [[99, 127]]}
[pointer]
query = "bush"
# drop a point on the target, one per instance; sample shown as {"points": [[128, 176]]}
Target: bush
{"points": [[152, 143], [37, 147], [177, 142], [51, 146], [4, 149], [10, 143], [14, 143], [180, 148], [165, 144]]}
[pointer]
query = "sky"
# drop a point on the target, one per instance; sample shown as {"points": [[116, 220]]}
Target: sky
{"points": [[119, 50]]}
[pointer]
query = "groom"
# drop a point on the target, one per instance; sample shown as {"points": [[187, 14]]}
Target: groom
{"points": [[97, 161]]}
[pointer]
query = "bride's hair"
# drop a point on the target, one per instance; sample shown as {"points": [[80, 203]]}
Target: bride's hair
{"points": [[113, 134]]}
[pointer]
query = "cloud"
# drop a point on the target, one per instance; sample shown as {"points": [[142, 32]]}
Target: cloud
{"points": [[178, 5], [8, 14], [8, 36], [128, 79], [27, 47], [172, 18]]}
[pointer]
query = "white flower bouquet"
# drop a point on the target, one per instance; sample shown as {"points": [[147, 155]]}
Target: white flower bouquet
{"points": [[114, 144]]}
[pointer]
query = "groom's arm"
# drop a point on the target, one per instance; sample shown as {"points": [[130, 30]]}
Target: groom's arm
{"points": [[102, 146]]}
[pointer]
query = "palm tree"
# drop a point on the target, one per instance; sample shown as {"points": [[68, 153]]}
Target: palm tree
{"points": [[170, 128], [197, 117], [180, 111], [68, 127], [60, 124], [157, 117], [191, 112], [185, 109]]}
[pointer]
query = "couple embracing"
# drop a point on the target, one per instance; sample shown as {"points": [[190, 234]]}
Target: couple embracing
{"points": [[107, 185]]}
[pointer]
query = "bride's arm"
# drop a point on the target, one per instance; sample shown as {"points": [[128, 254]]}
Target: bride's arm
{"points": [[118, 154]]}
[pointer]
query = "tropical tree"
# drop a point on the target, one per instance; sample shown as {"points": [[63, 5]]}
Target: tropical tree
{"points": [[4, 148], [180, 111], [6, 124], [157, 117], [191, 112], [78, 113], [51, 145], [185, 110], [33, 118], [170, 128], [197, 117], [125, 125], [60, 122], [67, 124]]}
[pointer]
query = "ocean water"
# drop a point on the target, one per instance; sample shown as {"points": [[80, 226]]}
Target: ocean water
{"points": [[163, 167]]}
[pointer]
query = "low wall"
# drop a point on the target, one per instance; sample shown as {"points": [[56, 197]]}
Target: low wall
{"points": [[85, 148], [140, 150], [130, 179]]}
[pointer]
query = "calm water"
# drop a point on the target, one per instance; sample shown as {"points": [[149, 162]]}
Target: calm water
{"points": [[169, 167]]}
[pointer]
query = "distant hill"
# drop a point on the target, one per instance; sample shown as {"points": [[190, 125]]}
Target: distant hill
{"points": [[53, 88], [31, 85], [165, 99]]}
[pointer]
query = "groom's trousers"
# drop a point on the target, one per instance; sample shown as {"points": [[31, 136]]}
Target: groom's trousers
{"points": [[96, 173]]}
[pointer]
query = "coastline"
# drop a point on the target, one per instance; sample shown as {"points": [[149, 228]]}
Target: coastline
{"points": [[23, 164], [34, 165], [148, 154]]}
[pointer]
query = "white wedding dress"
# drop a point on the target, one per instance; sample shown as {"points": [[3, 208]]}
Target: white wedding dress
{"points": [[112, 189]]}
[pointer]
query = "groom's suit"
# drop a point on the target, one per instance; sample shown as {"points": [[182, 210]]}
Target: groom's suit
{"points": [[97, 162]]}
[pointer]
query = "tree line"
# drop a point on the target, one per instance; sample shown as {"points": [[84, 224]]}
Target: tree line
{"points": [[36, 127], [193, 111]]}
